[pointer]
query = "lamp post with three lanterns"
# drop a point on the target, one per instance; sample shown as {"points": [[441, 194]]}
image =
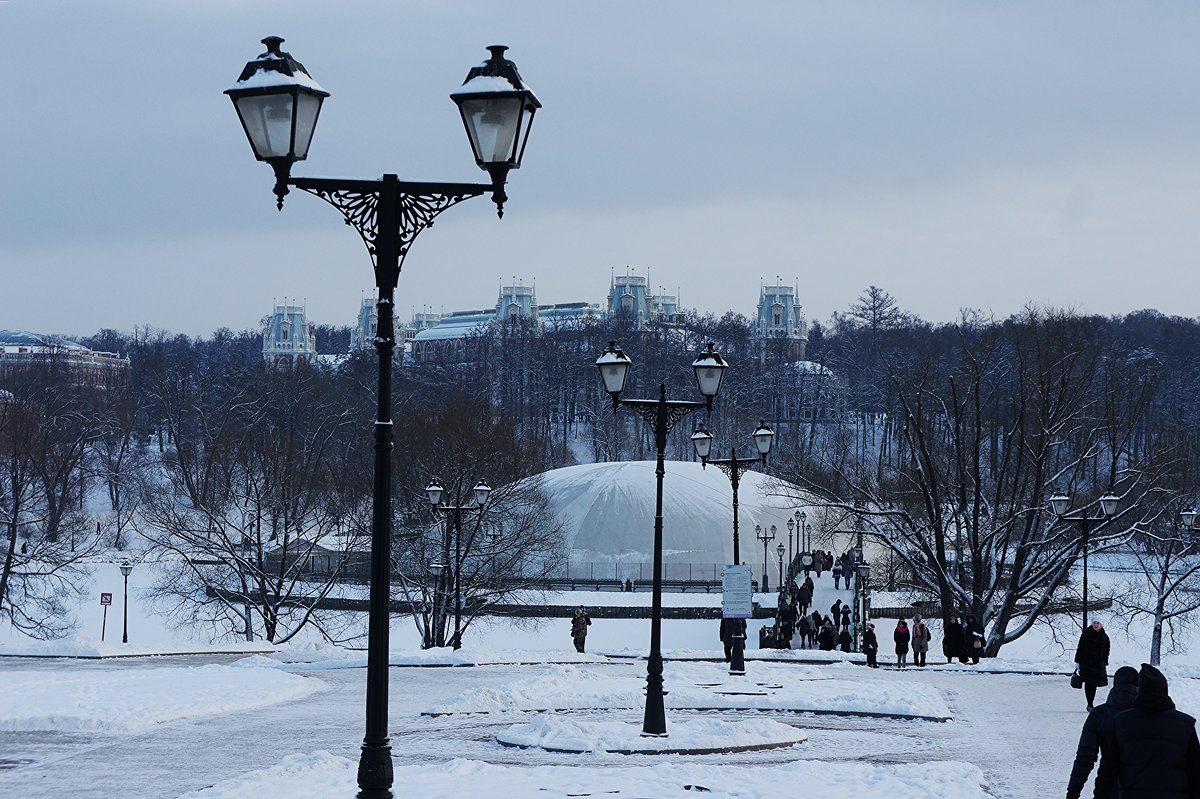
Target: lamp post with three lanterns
{"points": [[661, 415], [278, 103]]}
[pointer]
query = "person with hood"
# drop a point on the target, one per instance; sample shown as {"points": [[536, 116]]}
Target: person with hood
{"points": [[579, 625], [871, 646], [1098, 730], [1155, 752], [1091, 655], [846, 616], [920, 640], [825, 638], [974, 638], [803, 631], [835, 609], [952, 640], [901, 636], [845, 641], [730, 628]]}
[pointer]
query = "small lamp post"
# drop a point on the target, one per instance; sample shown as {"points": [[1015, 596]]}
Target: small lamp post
{"points": [[661, 415], [1060, 504], [780, 550], [733, 467], [766, 537], [863, 590], [279, 103], [479, 496], [126, 569]]}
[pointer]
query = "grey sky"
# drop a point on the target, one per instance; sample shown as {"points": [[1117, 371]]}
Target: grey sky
{"points": [[956, 154]]}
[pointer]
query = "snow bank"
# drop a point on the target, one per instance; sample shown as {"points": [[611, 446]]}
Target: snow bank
{"points": [[321, 775], [134, 699], [696, 736], [84, 646], [704, 686]]}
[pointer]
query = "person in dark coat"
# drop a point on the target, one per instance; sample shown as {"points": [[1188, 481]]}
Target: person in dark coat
{"points": [[579, 625], [835, 609], [952, 640], [901, 636], [871, 646], [846, 616], [1155, 753], [845, 641], [816, 621], [787, 624], [1092, 658], [973, 643], [1099, 728], [730, 628], [804, 631], [825, 638]]}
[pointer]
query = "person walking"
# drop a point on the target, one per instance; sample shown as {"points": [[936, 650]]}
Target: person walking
{"points": [[845, 641], [579, 625], [952, 640], [1091, 656], [974, 638], [729, 628], [846, 616], [826, 638], [835, 610], [802, 627], [1155, 751], [920, 640], [871, 646], [902, 637], [787, 624], [837, 576], [1099, 728]]}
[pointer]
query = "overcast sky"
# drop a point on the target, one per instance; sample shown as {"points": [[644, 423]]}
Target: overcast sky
{"points": [[956, 154]]}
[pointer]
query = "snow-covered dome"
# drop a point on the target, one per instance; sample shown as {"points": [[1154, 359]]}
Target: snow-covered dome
{"points": [[607, 510]]}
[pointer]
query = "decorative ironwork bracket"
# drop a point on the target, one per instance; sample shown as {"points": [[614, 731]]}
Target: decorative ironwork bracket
{"points": [[672, 411], [734, 468], [418, 205]]}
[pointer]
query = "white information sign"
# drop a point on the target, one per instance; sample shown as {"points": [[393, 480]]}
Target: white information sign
{"points": [[736, 594]]}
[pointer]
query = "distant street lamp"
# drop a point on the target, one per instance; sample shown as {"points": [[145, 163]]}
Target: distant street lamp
{"points": [[1060, 504], [126, 568], [278, 104], [780, 550], [661, 415], [479, 495], [733, 467], [862, 586], [766, 538]]}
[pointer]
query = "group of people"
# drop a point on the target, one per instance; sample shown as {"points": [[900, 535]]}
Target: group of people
{"points": [[963, 642], [1145, 746]]}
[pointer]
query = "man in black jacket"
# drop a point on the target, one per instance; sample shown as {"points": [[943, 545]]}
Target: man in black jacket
{"points": [[1097, 736], [1155, 752]]}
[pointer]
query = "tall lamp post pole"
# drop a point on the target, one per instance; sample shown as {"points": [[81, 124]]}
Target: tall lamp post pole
{"points": [[479, 495], [766, 537], [126, 568], [278, 104], [733, 467], [1060, 504], [779, 550], [662, 415]]}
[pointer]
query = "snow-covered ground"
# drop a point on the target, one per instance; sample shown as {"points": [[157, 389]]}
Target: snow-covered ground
{"points": [[201, 726]]}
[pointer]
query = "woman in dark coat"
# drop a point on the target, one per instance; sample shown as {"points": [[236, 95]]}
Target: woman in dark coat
{"points": [[825, 638], [1092, 658], [952, 640], [973, 643], [902, 636], [845, 640], [871, 646]]}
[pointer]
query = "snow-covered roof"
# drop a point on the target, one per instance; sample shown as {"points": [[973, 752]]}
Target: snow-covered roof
{"points": [[607, 510], [808, 368], [460, 325], [23, 338]]}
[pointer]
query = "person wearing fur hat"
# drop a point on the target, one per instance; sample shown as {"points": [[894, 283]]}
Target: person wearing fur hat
{"points": [[1092, 657], [902, 637], [1155, 753], [1098, 730], [579, 624]]}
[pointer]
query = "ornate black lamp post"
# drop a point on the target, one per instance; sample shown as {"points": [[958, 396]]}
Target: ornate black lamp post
{"points": [[766, 538], [734, 467], [862, 589], [479, 495], [779, 550], [1060, 504], [126, 568], [662, 415], [278, 103]]}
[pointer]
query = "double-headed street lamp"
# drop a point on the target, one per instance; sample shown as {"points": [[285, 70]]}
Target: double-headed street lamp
{"points": [[479, 495], [1060, 504], [766, 537], [733, 467], [662, 415], [278, 103], [126, 568]]}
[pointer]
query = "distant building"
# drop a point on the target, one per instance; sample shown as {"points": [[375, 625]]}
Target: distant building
{"points": [[781, 327], [288, 339], [21, 350]]}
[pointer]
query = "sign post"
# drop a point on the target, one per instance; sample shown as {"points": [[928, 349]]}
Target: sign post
{"points": [[105, 601], [737, 605]]}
